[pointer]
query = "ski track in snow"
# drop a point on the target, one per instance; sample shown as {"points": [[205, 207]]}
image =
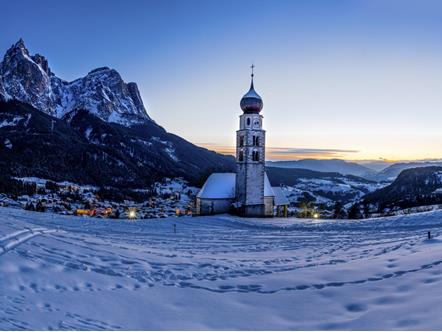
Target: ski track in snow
{"points": [[93, 274], [11, 241]]}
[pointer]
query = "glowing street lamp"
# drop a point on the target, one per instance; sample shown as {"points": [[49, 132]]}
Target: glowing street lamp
{"points": [[132, 213], [316, 215]]}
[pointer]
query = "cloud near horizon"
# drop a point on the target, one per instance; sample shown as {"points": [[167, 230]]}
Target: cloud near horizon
{"points": [[279, 153]]}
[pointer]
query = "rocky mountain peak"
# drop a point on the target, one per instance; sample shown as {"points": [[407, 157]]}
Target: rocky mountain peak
{"points": [[26, 78], [42, 62], [18, 47], [20, 43], [102, 91], [99, 70]]}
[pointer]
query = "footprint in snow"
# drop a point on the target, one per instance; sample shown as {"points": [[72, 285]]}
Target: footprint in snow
{"points": [[356, 307]]}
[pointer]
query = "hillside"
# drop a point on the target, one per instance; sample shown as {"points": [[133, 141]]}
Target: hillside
{"points": [[83, 148], [302, 185], [325, 165], [394, 170], [412, 187]]}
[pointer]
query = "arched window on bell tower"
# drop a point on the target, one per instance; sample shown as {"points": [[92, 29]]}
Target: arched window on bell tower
{"points": [[241, 156], [241, 141]]}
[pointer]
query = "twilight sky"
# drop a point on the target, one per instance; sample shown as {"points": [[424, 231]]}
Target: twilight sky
{"points": [[348, 79]]}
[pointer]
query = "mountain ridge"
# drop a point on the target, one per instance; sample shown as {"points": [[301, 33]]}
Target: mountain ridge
{"points": [[326, 165], [412, 187], [85, 149], [29, 79]]}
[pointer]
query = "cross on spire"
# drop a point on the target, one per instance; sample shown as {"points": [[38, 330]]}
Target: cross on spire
{"points": [[253, 67]]}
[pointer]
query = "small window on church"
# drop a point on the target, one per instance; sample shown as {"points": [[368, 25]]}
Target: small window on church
{"points": [[241, 156], [241, 141], [248, 121], [255, 156], [257, 141]]}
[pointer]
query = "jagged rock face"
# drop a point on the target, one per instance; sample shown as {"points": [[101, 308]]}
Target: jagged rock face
{"points": [[2, 91], [102, 91], [24, 79]]}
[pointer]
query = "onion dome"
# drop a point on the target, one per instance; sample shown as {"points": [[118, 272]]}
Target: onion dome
{"points": [[251, 102]]}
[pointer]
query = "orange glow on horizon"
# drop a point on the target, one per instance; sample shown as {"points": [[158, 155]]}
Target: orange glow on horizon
{"points": [[276, 153]]}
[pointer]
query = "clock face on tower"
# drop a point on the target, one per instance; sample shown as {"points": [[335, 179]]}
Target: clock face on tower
{"points": [[256, 123]]}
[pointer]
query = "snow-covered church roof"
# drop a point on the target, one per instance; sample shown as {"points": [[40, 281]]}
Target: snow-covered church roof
{"points": [[222, 186], [280, 197], [268, 191], [218, 185]]}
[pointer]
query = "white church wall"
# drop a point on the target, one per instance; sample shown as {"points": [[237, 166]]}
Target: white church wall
{"points": [[269, 206], [206, 206]]}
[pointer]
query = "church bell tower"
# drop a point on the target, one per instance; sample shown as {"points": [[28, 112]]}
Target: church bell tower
{"points": [[250, 156]]}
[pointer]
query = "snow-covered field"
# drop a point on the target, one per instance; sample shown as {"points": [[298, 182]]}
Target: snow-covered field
{"points": [[60, 272]]}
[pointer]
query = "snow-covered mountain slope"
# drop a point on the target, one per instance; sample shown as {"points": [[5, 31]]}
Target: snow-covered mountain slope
{"points": [[303, 185], [102, 91], [394, 170], [83, 148], [329, 191], [413, 187], [221, 273]]}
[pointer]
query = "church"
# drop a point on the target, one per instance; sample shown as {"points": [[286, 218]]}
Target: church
{"points": [[247, 192]]}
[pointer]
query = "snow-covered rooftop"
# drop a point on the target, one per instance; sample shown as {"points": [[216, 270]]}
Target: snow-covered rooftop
{"points": [[222, 186], [280, 197], [218, 186], [268, 191]]}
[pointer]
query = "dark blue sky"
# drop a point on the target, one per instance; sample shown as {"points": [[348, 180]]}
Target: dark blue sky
{"points": [[347, 75]]}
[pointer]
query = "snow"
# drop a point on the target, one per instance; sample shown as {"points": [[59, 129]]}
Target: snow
{"points": [[219, 185], [222, 185], [36, 180], [157, 139], [171, 152], [280, 197], [268, 191], [328, 190], [11, 122], [87, 133], [101, 92], [7, 143], [219, 273]]}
